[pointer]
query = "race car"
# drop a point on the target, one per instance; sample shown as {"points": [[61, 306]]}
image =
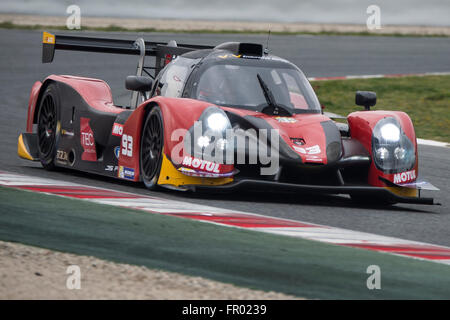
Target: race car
{"points": [[217, 118]]}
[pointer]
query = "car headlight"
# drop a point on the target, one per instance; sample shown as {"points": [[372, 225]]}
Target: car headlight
{"points": [[382, 154], [208, 134], [214, 123], [217, 121], [391, 148], [203, 141], [390, 132], [399, 153]]}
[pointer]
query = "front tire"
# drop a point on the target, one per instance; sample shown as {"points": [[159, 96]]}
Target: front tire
{"points": [[47, 127], [152, 143]]}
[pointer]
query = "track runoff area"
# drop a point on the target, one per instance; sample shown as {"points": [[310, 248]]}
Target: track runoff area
{"points": [[230, 218]]}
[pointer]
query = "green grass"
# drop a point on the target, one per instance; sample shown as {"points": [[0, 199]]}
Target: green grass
{"points": [[116, 28], [245, 258], [425, 99]]}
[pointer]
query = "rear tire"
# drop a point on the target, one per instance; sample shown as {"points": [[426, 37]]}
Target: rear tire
{"points": [[152, 143], [47, 126]]}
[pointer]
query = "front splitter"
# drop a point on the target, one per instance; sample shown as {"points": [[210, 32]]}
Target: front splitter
{"points": [[261, 185]]}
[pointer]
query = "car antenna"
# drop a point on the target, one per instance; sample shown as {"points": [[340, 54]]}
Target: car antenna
{"points": [[266, 50]]}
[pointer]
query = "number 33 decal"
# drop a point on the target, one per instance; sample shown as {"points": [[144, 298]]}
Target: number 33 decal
{"points": [[127, 145]]}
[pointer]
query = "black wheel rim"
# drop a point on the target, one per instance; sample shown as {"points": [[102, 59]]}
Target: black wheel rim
{"points": [[151, 147], [47, 126]]}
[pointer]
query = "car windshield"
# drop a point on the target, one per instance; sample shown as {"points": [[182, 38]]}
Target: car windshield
{"points": [[238, 86]]}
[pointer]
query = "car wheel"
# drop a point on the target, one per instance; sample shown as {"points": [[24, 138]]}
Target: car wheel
{"points": [[47, 123], [152, 143]]}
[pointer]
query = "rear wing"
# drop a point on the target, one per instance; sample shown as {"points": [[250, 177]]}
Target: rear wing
{"points": [[163, 52]]}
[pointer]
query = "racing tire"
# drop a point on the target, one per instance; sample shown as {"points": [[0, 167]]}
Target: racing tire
{"points": [[47, 127], [152, 144]]}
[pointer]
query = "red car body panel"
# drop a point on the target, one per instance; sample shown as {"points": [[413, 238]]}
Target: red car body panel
{"points": [[173, 120], [34, 94], [95, 92], [306, 127]]}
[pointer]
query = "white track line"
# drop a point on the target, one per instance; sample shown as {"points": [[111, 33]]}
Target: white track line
{"points": [[432, 143], [372, 76]]}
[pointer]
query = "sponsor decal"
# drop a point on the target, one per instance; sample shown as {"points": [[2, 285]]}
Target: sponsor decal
{"points": [[117, 152], [299, 149], [111, 168], [127, 145], [198, 173], [244, 56], [187, 170], [286, 119], [195, 163], [310, 150], [117, 129], [65, 132], [87, 141], [313, 159], [405, 176], [62, 156], [126, 173], [262, 148], [226, 56]]}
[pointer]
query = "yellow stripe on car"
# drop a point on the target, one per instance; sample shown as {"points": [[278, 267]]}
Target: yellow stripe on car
{"points": [[22, 150], [403, 191], [48, 38], [169, 175]]}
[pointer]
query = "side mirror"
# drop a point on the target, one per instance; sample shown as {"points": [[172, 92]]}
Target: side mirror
{"points": [[366, 99], [138, 83]]}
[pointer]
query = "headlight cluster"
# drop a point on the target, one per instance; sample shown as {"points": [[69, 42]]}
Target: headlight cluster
{"points": [[208, 135], [392, 150]]}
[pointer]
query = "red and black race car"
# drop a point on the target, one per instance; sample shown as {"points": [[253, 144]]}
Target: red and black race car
{"points": [[217, 118]]}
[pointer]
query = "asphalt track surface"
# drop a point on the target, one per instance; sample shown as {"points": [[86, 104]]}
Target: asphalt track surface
{"points": [[20, 66]]}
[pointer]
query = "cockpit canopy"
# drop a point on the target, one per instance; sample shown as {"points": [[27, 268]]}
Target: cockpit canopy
{"points": [[225, 79]]}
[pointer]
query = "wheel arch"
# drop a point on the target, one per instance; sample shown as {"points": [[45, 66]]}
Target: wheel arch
{"points": [[95, 92], [34, 109], [177, 113], [48, 158], [134, 127], [148, 108]]}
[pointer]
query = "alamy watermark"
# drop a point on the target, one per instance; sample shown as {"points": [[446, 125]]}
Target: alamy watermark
{"points": [[74, 20], [374, 280], [73, 281], [373, 22], [213, 151]]}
